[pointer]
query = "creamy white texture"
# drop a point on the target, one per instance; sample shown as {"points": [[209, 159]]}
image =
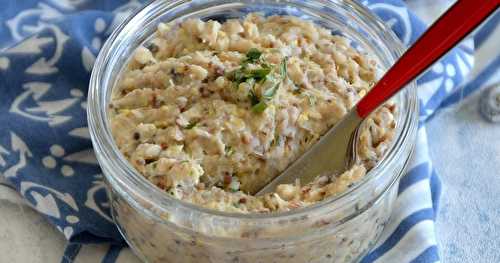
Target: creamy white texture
{"points": [[209, 112]]}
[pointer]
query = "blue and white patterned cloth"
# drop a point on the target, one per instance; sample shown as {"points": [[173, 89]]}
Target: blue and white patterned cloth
{"points": [[47, 49]]}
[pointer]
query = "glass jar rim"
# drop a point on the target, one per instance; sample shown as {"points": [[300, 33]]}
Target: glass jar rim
{"points": [[138, 186]]}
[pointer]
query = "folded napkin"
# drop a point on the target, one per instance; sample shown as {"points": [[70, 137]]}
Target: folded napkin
{"points": [[47, 52]]}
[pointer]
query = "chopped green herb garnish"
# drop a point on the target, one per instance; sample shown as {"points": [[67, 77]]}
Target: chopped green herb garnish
{"points": [[253, 97], [184, 161], [265, 65], [251, 76], [243, 74], [253, 55], [251, 82], [235, 75], [259, 107], [258, 74], [269, 93], [191, 125]]}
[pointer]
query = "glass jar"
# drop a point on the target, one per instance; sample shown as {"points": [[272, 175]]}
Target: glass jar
{"points": [[160, 228]]}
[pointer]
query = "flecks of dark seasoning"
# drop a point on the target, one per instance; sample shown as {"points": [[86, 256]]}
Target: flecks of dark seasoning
{"points": [[137, 136], [153, 48], [155, 102], [176, 77], [204, 92]]}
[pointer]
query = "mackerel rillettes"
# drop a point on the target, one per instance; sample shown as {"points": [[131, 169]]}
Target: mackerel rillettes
{"points": [[209, 112]]}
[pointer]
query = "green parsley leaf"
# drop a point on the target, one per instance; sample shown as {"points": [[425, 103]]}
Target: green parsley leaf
{"points": [[259, 107], [253, 55], [191, 125], [237, 76], [254, 99], [258, 74], [265, 65], [269, 93], [242, 74]]}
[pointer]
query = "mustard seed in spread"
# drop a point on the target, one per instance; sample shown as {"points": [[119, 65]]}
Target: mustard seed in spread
{"points": [[209, 112]]}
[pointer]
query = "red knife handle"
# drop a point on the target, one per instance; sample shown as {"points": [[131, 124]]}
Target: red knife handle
{"points": [[462, 18]]}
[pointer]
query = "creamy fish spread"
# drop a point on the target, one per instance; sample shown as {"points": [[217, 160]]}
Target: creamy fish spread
{"points": [[210, 111]]}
